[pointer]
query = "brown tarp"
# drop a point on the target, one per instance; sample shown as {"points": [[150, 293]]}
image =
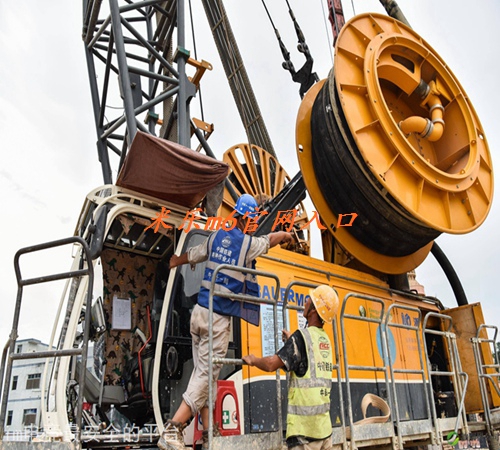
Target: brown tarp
{"points": [[169, 171]]}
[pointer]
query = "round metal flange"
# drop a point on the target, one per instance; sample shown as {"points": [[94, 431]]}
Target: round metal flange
{"points": [[382, 73], [256, 172]]}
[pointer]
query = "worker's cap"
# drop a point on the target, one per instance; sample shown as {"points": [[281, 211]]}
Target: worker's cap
{"points": [[246, 204], [326, 301]]}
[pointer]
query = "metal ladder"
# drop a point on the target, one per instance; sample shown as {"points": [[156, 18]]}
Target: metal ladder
{"points": [[455, 373], [275, 441], [485, 371], [8, 356]]}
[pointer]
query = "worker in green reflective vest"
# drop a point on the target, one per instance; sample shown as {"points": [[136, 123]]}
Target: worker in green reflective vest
{"points": [[307, 356]]}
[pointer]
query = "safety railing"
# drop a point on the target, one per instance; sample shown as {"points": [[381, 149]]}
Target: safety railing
{"points": [[378, 320], [8, 355], [236, 361], [455, 373], [406, 325], [486, 372], [336, 365]]}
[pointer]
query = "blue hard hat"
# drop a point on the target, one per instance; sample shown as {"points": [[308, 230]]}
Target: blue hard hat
{"points": [[246, 204]]}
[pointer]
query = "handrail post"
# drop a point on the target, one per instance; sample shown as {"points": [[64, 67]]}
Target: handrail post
{"points": [[348, 367], [481, 366], [9, 349], [459, 387], [212, 360], [420, 371]]}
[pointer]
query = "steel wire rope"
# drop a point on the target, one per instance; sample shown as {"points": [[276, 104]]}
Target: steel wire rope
{"points": [[330, 46], [288, 61], [305, 77], [268, 15], [196, 57]]}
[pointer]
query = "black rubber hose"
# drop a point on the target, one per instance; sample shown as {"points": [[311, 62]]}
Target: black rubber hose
{"points": [[450, 273], [382, 224]]}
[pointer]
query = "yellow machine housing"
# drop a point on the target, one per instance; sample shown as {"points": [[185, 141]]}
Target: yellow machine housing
{"points": [[406, 137]]}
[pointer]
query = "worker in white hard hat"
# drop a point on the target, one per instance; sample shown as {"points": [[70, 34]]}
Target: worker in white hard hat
{"points": [[233, 246], [307, 356]]}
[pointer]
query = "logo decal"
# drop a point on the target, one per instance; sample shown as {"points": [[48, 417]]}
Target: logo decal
{"points": [[324, 347], [226, 242]]}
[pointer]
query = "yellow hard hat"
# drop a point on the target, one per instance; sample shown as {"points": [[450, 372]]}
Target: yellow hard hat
{"points": [[326, 302]]}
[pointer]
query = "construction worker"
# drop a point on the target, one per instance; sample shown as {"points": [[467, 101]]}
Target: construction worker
{"points": [[239, 249], [307, 356]]}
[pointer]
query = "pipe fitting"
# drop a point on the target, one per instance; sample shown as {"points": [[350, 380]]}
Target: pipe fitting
{"points": [[431, 129]]}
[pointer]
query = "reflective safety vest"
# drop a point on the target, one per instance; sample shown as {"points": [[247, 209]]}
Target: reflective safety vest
{"points": [[230, 247], [309, 396]]}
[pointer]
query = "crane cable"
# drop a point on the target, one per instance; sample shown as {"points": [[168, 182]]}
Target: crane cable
{"points": [[330, 46], [196, 57], [287, 65], [304, 76]]}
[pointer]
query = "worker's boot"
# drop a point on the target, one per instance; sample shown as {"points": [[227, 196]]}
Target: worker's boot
{"points": [[172, 438], [204, 436]]}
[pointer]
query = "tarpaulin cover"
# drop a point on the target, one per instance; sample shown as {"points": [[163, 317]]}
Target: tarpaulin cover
{"points": [[169, 171]]}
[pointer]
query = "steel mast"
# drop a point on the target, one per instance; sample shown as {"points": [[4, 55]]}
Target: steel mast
{"points": [[141, 44]]}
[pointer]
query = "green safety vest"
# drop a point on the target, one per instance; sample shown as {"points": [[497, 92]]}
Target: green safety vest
{"points": [[309, 396]]}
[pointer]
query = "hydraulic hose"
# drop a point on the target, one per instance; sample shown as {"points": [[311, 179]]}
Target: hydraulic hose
{"points": [[450, 273]]}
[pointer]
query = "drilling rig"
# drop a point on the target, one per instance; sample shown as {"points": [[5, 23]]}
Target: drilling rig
{"points": [[391, 154]]}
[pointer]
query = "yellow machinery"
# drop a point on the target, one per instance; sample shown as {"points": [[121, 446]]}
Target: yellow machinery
{"points": [[389, 139], [392, 136]]}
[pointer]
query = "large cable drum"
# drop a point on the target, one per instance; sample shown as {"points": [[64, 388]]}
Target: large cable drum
{"points": [[392, 137], [255, 171]]}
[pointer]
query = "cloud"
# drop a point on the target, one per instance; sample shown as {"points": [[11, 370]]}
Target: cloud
{"points": [[13, 186]]}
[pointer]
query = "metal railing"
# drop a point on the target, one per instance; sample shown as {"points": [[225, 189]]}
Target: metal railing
{"points": [[455, 372], [379, 320], [482, 369], [233, 361], [394, 431], [420, 370], [8, 356]]}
